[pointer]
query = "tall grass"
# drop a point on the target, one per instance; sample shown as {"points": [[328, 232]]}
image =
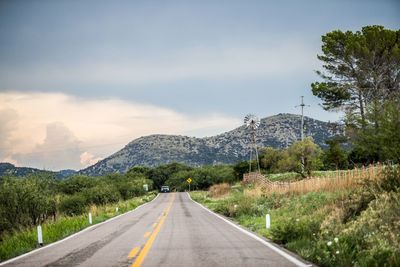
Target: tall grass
{"points": [[219, 190], [325, 181], [17, 243]]}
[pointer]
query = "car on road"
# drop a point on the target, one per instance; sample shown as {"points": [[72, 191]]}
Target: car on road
{"points": [[164, 189]]}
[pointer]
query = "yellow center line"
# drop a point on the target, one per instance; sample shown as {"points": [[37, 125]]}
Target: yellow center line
{"points": [[147, 234], [154, 225], [143, 253], [133, 252]]}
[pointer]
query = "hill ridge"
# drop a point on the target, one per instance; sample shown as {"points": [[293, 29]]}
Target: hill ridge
{"points": [[277, 131]]}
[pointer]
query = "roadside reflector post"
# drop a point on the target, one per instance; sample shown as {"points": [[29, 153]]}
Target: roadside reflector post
{"points": [[90, 218], [116, 209], [146, 187], [267, 221], [40, 235]]}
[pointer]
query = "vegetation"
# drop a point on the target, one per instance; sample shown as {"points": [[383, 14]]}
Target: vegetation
{"points": [[337, 227], [332, 222], [335, 221], [35, 199], [60, 206], [16, 243], [362, 77]]}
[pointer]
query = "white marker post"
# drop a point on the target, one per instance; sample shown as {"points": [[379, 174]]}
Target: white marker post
{"points": [[267, 221], [116, 209], [40, 236], [90, 218]]}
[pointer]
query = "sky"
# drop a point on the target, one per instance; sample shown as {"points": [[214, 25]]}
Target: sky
{"points": [[81, 79]]}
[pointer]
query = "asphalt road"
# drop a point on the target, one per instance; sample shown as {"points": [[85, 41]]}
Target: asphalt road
{"points": [[172, 230]]}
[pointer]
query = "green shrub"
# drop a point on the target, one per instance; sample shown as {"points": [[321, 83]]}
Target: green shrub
{"points": [[76, 184], [73, 205], [292, 229], [102, 194]]}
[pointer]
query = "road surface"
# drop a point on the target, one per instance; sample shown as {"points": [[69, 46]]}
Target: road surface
{"points": [[172, 230]]}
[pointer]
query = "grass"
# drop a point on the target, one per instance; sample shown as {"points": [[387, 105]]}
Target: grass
{"points": [[219, 190], [337, 226], [25, 240]]}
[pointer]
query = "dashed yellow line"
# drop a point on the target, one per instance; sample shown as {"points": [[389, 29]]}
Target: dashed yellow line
{"points": [[143, 253], [133, 252]]}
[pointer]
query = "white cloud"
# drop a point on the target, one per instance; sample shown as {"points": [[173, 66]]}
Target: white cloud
{"points": [[88, 159], [52, 130]]}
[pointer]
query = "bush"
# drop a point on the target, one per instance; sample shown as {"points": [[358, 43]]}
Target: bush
{"points": [[294, 229], [76, 184], [102, 194], [73, 205], [26, 201]]}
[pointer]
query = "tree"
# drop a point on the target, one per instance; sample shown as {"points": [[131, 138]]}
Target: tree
{"points": [[292, 157], [242, 167], [202, 177], [76, 183], [139, 170], [335, 157], [269, 159], [161, 174], [382, 143], [361, 69]]}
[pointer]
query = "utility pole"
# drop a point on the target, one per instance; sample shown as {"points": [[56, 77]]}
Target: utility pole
{"points": [[302, 105]]}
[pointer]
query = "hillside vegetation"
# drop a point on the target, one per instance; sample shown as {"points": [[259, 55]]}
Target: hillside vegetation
{"points": [[356, 226]]}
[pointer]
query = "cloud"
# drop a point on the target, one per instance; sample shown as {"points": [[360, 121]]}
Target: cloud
{"points": [[54, 130], [8, 122], [59, 150], [88, 159]]}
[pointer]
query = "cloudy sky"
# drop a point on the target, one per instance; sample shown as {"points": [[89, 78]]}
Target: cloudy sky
{"points": [[80, 79]]}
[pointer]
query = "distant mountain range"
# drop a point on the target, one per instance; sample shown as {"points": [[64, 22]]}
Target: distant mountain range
{"points": [[8, 169], [278, 131]]}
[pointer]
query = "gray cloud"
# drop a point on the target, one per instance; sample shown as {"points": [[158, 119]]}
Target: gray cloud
{"points": [[59, 150], [8, 123]]}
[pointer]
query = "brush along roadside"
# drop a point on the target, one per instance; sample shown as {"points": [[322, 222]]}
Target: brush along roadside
{"points": [[334, 225]]}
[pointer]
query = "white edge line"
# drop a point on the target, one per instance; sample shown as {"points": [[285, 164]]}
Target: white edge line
{"points": [[75, 234], [274, 248]]}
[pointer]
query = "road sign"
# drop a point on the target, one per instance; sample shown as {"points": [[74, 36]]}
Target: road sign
{"points": [[189, 180]]}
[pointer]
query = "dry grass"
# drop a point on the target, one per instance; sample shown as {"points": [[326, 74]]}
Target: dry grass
{"points": [[219, 190], [254, 192], [340, 180]]}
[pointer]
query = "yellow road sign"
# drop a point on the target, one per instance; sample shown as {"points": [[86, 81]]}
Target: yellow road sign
{"points": [[189, 180]]}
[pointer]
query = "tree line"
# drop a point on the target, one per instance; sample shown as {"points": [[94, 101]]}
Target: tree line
{"points": [[31, 200]]}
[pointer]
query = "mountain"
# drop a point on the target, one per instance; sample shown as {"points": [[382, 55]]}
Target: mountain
{"points": [[278, 131], [8, 169]]}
